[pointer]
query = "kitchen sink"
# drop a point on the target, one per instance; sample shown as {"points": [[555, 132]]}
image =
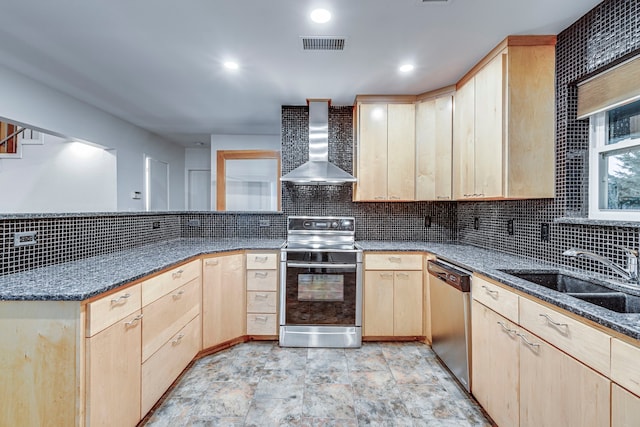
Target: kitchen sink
{"points": [[582, 289]]}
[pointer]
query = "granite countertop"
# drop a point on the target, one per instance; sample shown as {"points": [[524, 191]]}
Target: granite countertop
{"points": [[83, 279], [489, 263]]}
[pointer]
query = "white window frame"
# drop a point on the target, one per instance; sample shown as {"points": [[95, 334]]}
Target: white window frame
{"points": [[597, 169]]}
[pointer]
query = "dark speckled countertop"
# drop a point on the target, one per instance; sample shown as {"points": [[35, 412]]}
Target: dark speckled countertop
{"points": [[489, 263], [82, 279]]}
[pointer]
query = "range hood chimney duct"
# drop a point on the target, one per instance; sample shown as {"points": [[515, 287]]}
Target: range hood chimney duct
{"points": [[318, 170]]}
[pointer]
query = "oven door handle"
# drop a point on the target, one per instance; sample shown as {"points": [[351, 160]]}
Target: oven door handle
{"points": [[325, 265]]}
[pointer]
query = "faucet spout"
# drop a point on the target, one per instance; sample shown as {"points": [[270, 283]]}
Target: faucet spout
{"points": [[630, 273]]}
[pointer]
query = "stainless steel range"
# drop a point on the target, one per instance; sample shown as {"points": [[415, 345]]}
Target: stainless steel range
{"points": [[321, 284]]}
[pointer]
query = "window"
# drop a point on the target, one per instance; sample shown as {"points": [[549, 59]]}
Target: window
{"points": [[614, 160]]}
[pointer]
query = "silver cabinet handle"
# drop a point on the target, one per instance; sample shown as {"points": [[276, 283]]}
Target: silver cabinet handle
{"points": [[403, 275], [505, 328], [395, 259], [443, 197], [553, 322], [177, 274], [261, 296], [120, 299], [527, 342], [394, 198], [490, 291], [178, 294], [261, 274], [262, 319], [177, 340], [379, 198], [261, 259], [133, 321], [386, 275], [211, 262]]}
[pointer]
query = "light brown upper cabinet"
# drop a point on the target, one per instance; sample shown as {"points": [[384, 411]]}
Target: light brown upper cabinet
{"points": [[503, 123], [434, 116], [385, 150]]}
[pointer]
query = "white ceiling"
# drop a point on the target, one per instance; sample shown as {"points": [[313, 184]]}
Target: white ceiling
{"points": [[158, 63]]}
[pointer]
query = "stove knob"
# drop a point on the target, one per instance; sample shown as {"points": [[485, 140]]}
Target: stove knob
{"points": [[334, 224]]}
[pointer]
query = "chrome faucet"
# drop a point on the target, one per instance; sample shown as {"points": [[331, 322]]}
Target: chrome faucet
{"points": [[630, 273]]}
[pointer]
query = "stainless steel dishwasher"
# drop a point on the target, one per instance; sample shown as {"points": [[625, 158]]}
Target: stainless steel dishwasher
{"points": [[451, 317]]}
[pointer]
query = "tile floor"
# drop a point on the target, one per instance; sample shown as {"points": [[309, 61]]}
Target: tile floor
{"points": [[261, 384]]}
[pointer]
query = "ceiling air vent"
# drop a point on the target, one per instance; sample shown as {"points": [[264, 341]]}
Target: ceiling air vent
{"points": [[323, 43]]}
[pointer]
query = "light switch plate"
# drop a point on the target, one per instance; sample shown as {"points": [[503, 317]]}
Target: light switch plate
{"points": [[25, 238]]}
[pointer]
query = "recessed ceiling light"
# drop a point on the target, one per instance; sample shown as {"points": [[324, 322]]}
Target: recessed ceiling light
{"points": [[405, 68], [231, 65], [320, 16]]}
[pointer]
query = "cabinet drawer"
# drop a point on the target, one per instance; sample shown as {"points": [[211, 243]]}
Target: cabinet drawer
{"points": [[168, 281], [581, 341], [262, 280], [160, 370], [495, 297], [262, 324], [261, 302], [624, 365], [106, 311], [392, 261], [166, 316], [262, 261]]}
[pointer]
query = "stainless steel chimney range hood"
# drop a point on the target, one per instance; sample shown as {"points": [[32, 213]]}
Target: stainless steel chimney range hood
{"points": [[318, 170]]}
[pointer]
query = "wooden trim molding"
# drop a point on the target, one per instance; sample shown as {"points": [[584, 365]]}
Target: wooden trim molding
{"points": [[609, 89], [224, 155], [447, 90]]}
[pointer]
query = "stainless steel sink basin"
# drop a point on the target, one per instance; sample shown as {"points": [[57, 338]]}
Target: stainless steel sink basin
{"points": [[559, 282], [584, 290]]}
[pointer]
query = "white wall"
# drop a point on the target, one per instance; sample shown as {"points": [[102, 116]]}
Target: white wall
{"points": [[197, 159], [59, 176], [31, 103], [238, 142]]}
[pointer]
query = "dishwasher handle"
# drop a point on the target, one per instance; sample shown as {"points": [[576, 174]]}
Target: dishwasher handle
{"points": [[453, 277]]}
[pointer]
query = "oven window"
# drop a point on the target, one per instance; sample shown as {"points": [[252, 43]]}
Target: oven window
{"points": [[320, 287]]}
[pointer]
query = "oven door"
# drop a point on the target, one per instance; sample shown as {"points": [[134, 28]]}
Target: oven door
{"points": [[321, 288]]}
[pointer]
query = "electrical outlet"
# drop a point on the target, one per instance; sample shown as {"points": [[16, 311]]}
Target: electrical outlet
{"points": [[156, 225], [193, 223], [476, 223], [510, 227], [544, 232], [264, 222], [25, 238], [427, 221]]}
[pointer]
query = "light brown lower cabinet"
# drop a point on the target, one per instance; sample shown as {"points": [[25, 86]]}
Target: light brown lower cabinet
{"points": [[625, 407], [495, 365], [113, 374]]}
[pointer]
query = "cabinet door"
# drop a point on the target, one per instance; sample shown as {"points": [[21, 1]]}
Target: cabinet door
{"points": [[407, 303], [557, 390], [401, 154], [372, 152], [223, 299], [378, 304], [114, 374], [495, 364], [625, 407], [463, 142], [433, 148], [489, 100]]}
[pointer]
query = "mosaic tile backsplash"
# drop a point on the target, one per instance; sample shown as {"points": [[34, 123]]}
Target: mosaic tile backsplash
{"points": [[608, 34]]}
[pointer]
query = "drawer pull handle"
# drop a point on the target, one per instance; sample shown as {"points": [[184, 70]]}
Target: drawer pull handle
{"points": [[261, 259], [386, 275], [379, 198], [506, 329], [403, 275], [394, 198], [261, 274], [177, 340], [177, 274], [178, 294], [443, 197], [395, 259], [133, 321], [120, 299], [262, 296], [262, 319], [527, 342], [490, 291], [211, 262], [553, 322]]}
